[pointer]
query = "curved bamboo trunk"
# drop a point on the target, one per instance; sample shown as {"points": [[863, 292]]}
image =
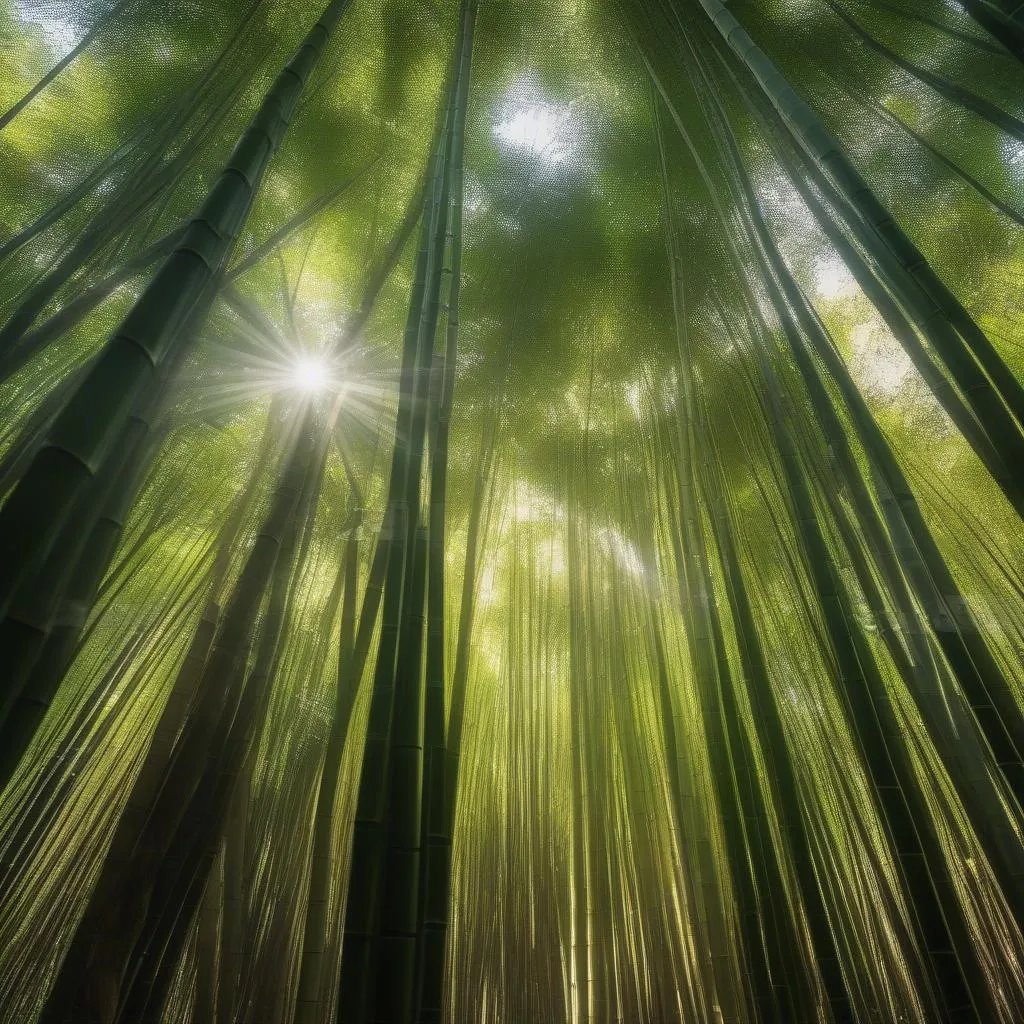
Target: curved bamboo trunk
{"points": [[908, 548], [954, 974], [959, 341], [382, 947], [127, 369], [38, 635], [44, 645]]}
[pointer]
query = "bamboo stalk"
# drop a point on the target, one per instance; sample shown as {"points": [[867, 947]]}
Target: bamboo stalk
{"points": [[127, 368]]}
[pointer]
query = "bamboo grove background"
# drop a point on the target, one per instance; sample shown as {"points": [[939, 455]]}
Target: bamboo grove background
{"points": [[627, 627]]}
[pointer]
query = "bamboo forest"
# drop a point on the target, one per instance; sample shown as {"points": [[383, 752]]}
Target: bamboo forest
{"points": [[510, 512]]}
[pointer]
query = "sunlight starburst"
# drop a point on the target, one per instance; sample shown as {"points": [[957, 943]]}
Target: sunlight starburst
{"points": [[311, 374]]}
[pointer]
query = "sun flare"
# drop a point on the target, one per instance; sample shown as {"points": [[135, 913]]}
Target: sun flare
{"points": [[310, 374]]}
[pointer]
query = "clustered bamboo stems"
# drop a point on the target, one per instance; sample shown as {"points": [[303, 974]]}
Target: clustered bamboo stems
{"points": [[636, 665]]}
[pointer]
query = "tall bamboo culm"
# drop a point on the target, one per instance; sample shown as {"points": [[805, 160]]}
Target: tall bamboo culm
{"points": [[91, 425]]}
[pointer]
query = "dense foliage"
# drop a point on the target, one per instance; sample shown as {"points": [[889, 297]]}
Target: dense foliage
{"points": [[511, 511]]}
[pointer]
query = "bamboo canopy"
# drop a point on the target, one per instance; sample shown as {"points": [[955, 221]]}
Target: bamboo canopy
{"points": [[511, 513]]}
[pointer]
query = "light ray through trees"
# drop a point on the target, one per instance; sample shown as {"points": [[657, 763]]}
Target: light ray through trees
{"points": [[511, 512]]}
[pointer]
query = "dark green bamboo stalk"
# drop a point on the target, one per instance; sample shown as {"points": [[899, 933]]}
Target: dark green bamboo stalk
{"points": [[357, 986], [38, 634], [911, 550], [950, 91], [436, 813], [955, 974], [467, 616], [958, 339], [352, 652], [34, 513], [1008, 31], [400, 945], [36, 638], [379, 977], [90, 977], [400, 903], [314, 943]]}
